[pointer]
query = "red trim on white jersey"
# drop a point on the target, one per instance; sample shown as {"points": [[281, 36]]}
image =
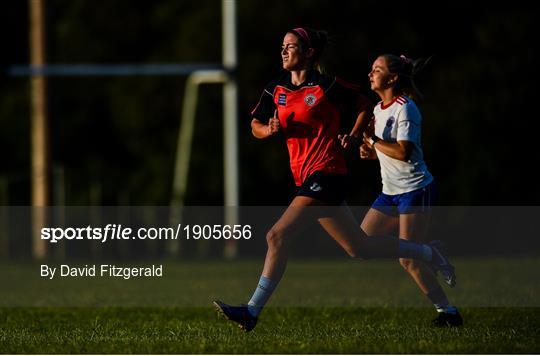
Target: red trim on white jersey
{"points": [[401, 100]]}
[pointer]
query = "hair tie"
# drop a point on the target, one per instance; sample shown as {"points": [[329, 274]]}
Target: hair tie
{"points": [[405, 59]]}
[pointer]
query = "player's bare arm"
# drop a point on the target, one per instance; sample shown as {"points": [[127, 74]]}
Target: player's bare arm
{"points": [[261, 130], [400, 150]]}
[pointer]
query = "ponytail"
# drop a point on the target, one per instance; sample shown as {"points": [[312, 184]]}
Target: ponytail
{"points": [[407, 69]]}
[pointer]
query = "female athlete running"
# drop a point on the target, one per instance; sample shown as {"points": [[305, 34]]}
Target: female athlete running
{"points": [[403, 206]]}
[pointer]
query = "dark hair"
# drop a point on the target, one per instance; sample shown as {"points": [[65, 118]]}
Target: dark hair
{"points": [[310, 38], [406, 69]]}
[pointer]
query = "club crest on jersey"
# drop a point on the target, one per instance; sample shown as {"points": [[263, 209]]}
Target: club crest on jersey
{"points": [[282, 99], [310, 99]]}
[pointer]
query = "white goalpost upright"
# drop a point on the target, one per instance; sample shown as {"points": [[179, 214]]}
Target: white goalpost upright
{"points": [[230, 134], [230, 124]]}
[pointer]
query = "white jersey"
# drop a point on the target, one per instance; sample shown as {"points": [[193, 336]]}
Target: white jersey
{"points": [[400, 121]]}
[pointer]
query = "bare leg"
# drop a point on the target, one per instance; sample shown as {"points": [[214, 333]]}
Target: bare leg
{"points": [[282, 233], [411, 227], [343, 227], [376, 223], [414, 227], [293, 220]]}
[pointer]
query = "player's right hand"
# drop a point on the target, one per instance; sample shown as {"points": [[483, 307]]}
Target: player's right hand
{"points": [[273, 124]]}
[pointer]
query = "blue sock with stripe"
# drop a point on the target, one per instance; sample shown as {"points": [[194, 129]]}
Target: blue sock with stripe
{"points": [[409, 249], [440, 301], [262, 293]]}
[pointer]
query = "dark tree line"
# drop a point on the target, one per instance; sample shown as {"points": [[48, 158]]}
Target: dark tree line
{"points": [[117, 135]]}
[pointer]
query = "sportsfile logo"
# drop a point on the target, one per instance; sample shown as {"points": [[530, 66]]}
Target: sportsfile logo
{"points": [[109, 232]]}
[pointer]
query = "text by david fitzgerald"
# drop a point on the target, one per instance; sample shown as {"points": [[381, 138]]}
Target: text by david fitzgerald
{"points": [[101, 271]]}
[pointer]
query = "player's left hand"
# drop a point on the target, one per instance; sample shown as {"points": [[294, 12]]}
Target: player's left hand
{"points": [[367, 152], [347, 140], [344, 140], [370, 129]]}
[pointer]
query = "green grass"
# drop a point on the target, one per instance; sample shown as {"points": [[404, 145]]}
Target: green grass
{"points": [[281, 330], [320, 307]]}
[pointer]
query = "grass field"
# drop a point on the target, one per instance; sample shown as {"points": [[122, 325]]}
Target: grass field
{"points": [[376, 309], [282, 330]]}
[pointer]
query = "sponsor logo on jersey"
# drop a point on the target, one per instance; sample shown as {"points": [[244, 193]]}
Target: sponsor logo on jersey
{"points": [[390, 121], [282, 99], [315, 187], [310, 99]]}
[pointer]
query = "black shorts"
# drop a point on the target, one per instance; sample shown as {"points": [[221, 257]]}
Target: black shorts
{"points": [[330, 188]]}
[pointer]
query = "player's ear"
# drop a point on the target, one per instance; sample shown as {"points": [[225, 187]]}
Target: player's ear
{"points": [[393, 79], [310, 52]]}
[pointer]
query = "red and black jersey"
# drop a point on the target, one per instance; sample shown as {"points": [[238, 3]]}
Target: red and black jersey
{"points": [[310, 116]]}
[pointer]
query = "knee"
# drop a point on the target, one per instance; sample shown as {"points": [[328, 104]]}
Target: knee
{"points": [[409, 264], [275, 239]]}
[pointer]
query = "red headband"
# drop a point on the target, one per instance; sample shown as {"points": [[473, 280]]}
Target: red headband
{"points": [[304, 34]]}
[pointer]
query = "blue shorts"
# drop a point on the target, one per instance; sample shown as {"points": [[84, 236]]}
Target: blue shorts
{"points": [[417, 201]]}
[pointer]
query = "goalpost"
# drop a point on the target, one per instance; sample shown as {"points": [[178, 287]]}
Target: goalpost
{"points": [[197, 75], [230, 136]]}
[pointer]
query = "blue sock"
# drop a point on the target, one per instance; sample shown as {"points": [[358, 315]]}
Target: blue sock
{"points": [[409, 249], [439, 299], [262, 293], [450, 309]]}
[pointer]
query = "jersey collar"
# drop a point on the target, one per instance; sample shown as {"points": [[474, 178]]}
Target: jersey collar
{"points": [[312, 79]]}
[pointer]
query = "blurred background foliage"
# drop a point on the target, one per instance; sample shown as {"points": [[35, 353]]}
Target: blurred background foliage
{"points": [[115, 137]]}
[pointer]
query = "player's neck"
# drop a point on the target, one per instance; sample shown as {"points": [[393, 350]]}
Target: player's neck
{"points": [[299, 76], [387, 96]]}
